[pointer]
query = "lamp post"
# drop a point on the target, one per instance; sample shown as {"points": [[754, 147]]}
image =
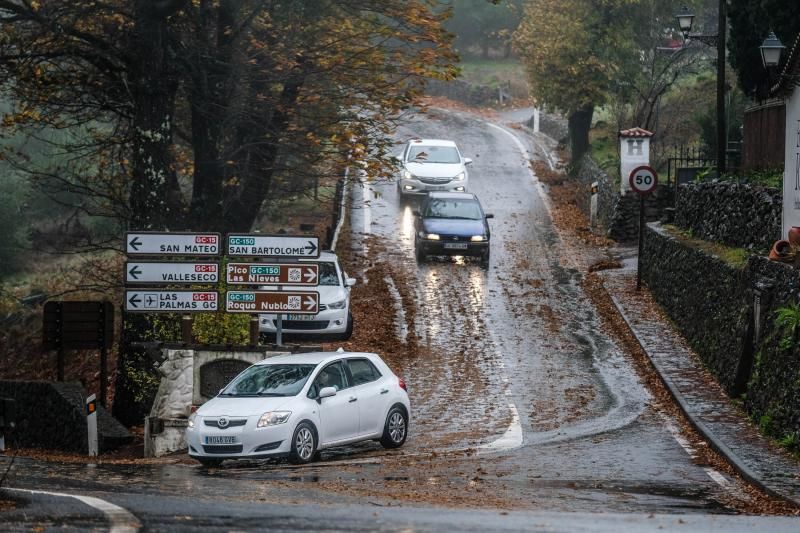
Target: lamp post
{"points": [[771, 50], [685, 20]]}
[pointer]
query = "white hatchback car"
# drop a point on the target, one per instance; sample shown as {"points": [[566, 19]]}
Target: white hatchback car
{"points": [[432, 165], [334, 318], [296, 405]]}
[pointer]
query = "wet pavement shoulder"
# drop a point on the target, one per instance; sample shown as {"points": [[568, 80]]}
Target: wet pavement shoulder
{"points": [[706, 406]]}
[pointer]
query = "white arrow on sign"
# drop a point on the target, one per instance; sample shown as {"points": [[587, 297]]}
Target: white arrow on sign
{"points": [[310, 303], [310, 275]]}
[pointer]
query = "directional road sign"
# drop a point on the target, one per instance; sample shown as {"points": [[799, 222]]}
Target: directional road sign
{"points": [[161, 301], [295, 302], [306, 274], [162, 272], [643, 179], [155, 243], [257, 245]]}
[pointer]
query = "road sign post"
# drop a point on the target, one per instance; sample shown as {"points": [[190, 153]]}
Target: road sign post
{"points": [[91, 424], [254, 302], [273, 246], [162, 243], [643, 180], [170, 301]]}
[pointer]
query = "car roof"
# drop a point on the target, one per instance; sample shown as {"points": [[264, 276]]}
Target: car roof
{"points": [[325, 255], [312, 358], [452, 195], [432, 142]]}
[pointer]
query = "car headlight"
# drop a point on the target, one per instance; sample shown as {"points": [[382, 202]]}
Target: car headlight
{"points": [[461, 176], [191, 419], [477, 238], [273, 418], [432, 236], [408, 175], [341, 304]]}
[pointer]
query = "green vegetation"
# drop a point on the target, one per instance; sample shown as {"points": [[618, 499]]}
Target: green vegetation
{"points": [[787, 324], [735, 257]]}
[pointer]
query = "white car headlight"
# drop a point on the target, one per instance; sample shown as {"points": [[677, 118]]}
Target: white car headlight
{"points": [[477, 238], [432, 236], [408, 175], [273, 418], [191, 419], [461, 176], [341, 304]]}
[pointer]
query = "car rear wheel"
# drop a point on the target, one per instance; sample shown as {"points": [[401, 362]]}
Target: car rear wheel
{"points": [[304, 444], [395, 429]]}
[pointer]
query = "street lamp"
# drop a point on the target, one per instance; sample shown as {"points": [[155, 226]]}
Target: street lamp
{"points": [[685, 20], [771, 50]]}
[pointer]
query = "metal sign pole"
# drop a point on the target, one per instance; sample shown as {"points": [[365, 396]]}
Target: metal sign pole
{"points": [[254, 330], [91, 424], [187, 335], [641, 244]]}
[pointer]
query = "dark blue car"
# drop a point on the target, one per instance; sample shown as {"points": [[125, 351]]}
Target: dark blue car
{"points": [[452, 223]]}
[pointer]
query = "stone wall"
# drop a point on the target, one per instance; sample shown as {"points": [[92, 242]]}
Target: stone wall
{"points": [[706, 297], [713, 304], [733, 213], [773, 394], [553, 125], [618, 215], [52, 416]]}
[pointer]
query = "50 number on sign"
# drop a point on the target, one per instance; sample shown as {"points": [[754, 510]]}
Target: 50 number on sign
{"points": [[643, 179]]}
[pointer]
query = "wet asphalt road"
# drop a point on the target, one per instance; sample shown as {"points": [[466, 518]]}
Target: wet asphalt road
{"points": [[521, 401]]}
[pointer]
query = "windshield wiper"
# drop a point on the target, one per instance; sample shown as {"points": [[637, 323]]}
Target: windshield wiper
{"points": [[270, 394]]}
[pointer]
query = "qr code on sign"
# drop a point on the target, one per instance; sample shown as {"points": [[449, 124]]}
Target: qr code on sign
{"points": [[294, 274], [293, 302]]}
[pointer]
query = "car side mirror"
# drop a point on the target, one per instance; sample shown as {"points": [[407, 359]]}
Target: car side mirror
{"points": [[416, 213], [327, 392], [349, 282], [398, 159], [488, 215], [467, 161]]}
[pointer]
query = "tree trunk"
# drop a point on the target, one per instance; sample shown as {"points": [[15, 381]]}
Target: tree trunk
{"points": [[580, 122], [155, 200]]}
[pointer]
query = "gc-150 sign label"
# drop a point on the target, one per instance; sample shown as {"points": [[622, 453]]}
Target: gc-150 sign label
{"points": [[272, 274], [257, 245]]}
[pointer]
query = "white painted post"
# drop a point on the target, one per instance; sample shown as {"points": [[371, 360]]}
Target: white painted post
{"points": [[91, 423], [593, 206], [536, 120]]}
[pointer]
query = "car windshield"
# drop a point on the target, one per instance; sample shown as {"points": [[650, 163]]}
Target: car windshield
{"points": [[449, 208], [269, 380], [433, 154], [328, 275]]}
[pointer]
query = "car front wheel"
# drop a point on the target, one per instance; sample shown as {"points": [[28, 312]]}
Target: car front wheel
{"points": [[395, 429], [304, 444], [420, 254]]}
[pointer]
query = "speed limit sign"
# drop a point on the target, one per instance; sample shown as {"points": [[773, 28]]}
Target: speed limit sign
{"points": [[643, 179]]}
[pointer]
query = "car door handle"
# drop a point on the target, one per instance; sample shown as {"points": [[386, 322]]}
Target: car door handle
{"points": [[384, 391], [353, 399]]}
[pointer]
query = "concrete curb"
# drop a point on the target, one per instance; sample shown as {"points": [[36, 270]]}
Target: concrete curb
{"points": [[716, 444]]}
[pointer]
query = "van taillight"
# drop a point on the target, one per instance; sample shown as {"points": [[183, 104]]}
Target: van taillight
{"points": [[402, 384]]}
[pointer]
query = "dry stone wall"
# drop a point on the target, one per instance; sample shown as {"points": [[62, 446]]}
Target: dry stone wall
{"points": [[733, 213], [713, 303]]}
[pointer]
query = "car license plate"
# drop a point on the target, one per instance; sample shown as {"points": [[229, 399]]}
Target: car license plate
{"points": [[220, 439], [455, 246], [300, 317], [437, 188]]}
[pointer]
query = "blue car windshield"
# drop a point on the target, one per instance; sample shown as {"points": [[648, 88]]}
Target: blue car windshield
{"points": [[448, 208], [269, 380], [433, 154]]}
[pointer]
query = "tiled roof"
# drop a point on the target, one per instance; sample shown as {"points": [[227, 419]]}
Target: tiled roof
{"points": [[636, 132]]}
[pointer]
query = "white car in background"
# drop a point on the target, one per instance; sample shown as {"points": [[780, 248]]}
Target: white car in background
{"points": [[432, 165], [334, 319], [296, 405]]}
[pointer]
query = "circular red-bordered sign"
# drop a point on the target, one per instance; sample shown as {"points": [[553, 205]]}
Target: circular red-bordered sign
{"points": [[643, 179]]}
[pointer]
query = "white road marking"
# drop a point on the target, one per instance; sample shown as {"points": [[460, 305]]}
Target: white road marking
{"points": [[343, 211], [718, 478], [510, 440], [120, 520], [401, 325], [366, 196]]}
